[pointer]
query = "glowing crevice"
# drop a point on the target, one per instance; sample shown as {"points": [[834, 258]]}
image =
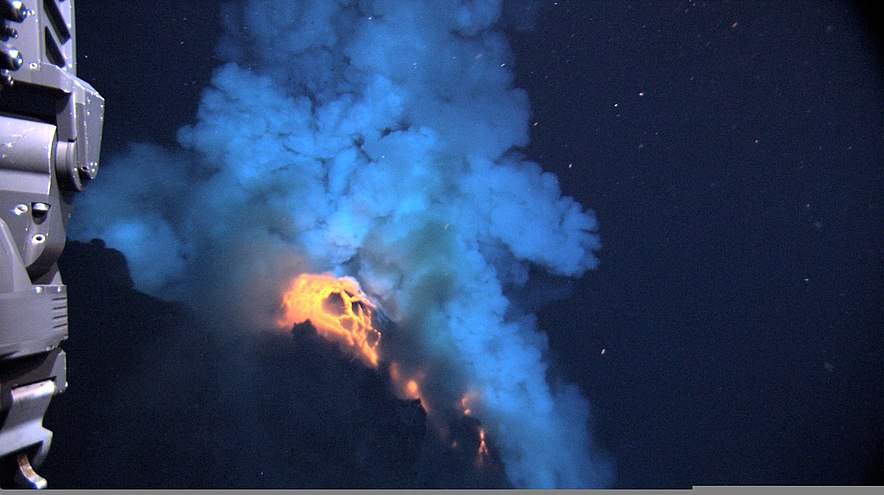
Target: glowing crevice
{"points": [[339, 311]]}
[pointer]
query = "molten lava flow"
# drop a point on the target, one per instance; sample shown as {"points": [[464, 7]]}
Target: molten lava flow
{"points": [[337, 308], [340, 312], [483, 447], [467, 408]]}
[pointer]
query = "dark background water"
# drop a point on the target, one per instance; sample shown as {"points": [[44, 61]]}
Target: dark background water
{"points": [[733, 154]]}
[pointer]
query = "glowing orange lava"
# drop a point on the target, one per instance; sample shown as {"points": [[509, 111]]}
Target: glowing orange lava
{"points": [[340, 312], [483, 447], [465, 405], [408, 387], [413, 388], [466, 401], [337, 308]]}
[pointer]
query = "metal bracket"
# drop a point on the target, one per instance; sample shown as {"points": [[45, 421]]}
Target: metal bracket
{"points": [[23, 429]]}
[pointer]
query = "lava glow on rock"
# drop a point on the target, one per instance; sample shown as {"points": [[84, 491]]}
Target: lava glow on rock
{"points": [[339, 311]]}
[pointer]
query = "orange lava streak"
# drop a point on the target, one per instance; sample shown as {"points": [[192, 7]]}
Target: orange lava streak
{"points": [[337, 308], [465, 405], [483, 447]]}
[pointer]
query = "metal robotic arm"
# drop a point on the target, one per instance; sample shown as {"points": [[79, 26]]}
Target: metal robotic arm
{"points": [[50, 138]]}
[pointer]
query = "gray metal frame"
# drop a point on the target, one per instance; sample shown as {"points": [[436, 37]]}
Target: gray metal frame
{"points": [[50, 139]]}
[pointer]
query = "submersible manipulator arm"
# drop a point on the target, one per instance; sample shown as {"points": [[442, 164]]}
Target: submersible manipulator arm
{"points": [[50, 137]]}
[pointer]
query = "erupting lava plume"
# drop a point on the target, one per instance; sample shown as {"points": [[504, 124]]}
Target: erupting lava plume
{"points": [[340, 312], [337, 308], [384, 139]]}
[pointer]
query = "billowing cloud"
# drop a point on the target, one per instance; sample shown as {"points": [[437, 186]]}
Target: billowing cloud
{"points": [[377, 140]]}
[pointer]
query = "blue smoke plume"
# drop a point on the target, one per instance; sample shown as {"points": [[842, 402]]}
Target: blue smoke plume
{"points": [[376, 139]]}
